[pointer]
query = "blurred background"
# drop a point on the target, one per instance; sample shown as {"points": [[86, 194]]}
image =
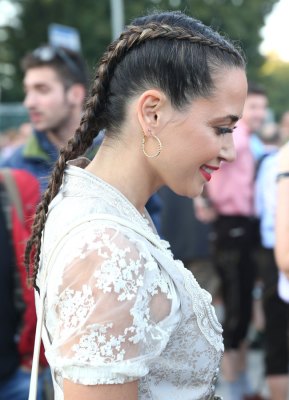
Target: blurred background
{"points": [[259, 26]]}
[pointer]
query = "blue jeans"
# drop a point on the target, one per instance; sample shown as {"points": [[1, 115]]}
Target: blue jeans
{"points": [[17, 386]]}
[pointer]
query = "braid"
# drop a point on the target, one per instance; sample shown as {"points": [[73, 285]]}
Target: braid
{"points": [[135, 35], [138, 34], [76, 146], [94, 118]]}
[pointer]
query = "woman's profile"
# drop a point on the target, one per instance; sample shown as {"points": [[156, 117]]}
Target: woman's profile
{"points": [[122, 319]]}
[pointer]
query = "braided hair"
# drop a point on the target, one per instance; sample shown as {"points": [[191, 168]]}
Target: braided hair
{"points": [[170, 51]]}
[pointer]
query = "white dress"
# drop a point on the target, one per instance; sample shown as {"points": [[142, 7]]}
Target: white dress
{"points": [[119, 308]]}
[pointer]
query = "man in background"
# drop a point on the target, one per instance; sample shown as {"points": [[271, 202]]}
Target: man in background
{"points": [[55, 84]]}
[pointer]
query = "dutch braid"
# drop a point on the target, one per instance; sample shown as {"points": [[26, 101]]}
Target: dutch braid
{"points": [[138, 34], [93, 119]]}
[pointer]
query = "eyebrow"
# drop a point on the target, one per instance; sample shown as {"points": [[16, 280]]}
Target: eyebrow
{"points": [[231, 117], [37, 85]]}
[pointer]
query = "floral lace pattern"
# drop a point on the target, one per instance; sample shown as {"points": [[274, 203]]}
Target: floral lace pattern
{"points": [[121, 272], [117, 307], [75, 306]]}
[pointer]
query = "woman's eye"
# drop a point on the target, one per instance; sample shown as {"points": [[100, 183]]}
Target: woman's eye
{"points": [[223, 131]]}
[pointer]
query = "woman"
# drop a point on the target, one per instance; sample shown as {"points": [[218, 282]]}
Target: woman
{"points": [[122, 319]]}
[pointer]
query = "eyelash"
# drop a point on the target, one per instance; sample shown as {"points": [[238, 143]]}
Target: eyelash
{"points": [[223, 131]]}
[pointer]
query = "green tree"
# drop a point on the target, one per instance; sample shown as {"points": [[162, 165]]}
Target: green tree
{"points": [[275, 77], [31, 31], [240, 19]]}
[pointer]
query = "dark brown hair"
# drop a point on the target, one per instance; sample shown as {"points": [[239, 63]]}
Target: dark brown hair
{"points": [[170, 51], [69, 65], [255, 88]]}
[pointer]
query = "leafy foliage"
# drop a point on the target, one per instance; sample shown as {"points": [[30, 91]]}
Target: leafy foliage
{"points": [[240, 19], [275, 77]]}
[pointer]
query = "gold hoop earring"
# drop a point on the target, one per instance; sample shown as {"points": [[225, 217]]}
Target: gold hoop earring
{"points": [[160, 146]]}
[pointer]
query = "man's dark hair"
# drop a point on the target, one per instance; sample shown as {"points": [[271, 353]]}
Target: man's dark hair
{"points": [[69, 65], [255, 88]]}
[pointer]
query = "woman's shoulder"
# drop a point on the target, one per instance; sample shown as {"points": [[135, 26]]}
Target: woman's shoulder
{"points": [[95, 234]]}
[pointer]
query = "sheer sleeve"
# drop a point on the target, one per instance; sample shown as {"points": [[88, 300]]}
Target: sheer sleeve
{"points": [[108, 307]]}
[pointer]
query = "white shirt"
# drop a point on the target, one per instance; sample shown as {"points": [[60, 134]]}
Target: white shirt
{"points": [[118, 308], [265, 199]]}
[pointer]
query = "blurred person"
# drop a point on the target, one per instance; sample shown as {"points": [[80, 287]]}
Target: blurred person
{"points": [[189, 238], [282, 223], [276, 311], [13, 138], [282, 212], [270, 137], [263, 143], [19, 194], [284, 127], [122, 318], [257, 144], [55, 84], [25, 130], [7, 139], [282, 217], [231, 198]]}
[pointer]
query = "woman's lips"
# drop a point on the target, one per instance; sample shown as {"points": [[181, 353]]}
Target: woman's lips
{"points": [[35, 117], [205, 174], [207, 170]]}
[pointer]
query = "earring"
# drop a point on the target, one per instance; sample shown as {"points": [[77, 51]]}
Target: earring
{"points": [[160, 146]]}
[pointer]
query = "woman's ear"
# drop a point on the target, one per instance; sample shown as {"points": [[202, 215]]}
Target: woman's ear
{"points": [[150, 109]]}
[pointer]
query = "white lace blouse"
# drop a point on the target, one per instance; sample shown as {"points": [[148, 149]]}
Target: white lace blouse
{"points": [[118, 307]]}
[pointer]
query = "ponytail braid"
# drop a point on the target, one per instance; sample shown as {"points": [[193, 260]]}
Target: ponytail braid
{"points": [[96, 115]]}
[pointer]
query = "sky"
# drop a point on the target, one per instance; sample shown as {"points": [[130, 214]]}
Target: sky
{"points": [[275, 33], [7, 11]]}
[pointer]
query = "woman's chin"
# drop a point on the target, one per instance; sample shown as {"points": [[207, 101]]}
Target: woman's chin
{"points": [[197, 191], [191, 192]]}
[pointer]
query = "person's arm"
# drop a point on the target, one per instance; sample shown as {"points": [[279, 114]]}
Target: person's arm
{"points": [[282, 213], [110, 296], [125, 391]]}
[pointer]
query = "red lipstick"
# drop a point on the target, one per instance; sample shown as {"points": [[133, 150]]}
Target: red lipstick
{"points": [[206, 175], [214, 168], [207, 170]]}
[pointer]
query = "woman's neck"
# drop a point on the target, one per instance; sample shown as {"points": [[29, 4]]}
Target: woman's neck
{"points": [[126, 170]]}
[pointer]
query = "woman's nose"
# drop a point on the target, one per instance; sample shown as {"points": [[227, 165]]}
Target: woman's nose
{"points": [[228, 151]]}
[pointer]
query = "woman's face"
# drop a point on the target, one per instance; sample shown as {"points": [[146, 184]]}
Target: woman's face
{"points": [[196, 140]]}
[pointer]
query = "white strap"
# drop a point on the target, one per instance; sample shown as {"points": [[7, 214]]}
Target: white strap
{"points": [[36, 353], [40, 317]]}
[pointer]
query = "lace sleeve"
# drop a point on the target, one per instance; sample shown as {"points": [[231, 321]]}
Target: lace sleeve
{"points": [[108, 303]]}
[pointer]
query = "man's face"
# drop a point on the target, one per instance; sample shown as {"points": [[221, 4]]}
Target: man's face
{"points": [[46, 99], [255, 111]]}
